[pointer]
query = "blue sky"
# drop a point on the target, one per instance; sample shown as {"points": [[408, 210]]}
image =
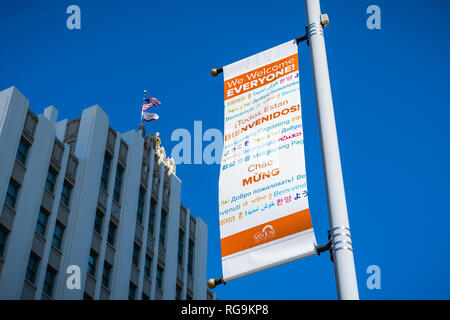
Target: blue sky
{"points": [[391, 97]]}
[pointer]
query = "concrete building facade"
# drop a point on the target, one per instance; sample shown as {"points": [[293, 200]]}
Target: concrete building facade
{"points": [[90, 213]]}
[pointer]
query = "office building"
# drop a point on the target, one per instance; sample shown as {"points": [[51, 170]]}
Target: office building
{"points": [[91, 213]]}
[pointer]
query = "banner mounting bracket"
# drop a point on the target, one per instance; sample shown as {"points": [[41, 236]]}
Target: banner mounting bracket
{"points": [[324, 248], [212, 283], [302, 38]]}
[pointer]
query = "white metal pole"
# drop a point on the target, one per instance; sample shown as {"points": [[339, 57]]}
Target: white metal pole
{"points": [[344, 267]]}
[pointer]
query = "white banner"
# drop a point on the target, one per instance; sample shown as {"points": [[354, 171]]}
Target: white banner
{"points": [[263, 198]]}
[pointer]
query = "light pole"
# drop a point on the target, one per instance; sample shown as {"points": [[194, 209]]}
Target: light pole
{"points": [[341, 245]]}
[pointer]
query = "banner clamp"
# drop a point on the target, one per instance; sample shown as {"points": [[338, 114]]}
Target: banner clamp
{"points": [[339, 239]]}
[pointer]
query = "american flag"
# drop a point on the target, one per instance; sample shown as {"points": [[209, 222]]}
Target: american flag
{"points": [[152, 101], [146, 106]]}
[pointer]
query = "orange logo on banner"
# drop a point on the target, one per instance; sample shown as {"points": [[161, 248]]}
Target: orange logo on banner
{"points": [[270, 231], [260, 77]]}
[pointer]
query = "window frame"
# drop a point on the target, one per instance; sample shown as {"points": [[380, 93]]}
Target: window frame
{"points": [[106, 277], [148, 266], [163, 227], [118, 181], [4, 234], [190, 265], [98, 221], [111, 236], [106, 170], [181, 239], [141, 205], [11, 198], [132, 291], [152, 216], [40, 224], [51, 183], [178, 292], [159, 277], [92, 267], [135, 256], [49, 284], [59, 239], [86, 296], [30, 273], [22, 156], [65, 196]]}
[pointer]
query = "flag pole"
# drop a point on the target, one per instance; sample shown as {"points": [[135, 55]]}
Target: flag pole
{"points": [[341, 245], [141, 124], [143, 99]]}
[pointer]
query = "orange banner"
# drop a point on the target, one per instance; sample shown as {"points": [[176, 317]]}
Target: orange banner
{"points": [[260, 77], [263, 195], [270, 231]]}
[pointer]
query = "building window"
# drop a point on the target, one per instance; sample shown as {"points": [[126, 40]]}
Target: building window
{"points": [[162, 230], [58, 235], [180, 247], [41, 224], [98, 222], [151, 220], [105, 171], [87, 296], [190, 256], [22, 151], [135, 259], [106, 274], [49, 281], [147, 266], [92, 264], [145, 297], [32, 267], [141, 202], [65, 194], [111, 234], [159, 277], [51, 180], [118, 183], [188, 297], [132, 292], [178, 293], [3, 237], [11, 193]]}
